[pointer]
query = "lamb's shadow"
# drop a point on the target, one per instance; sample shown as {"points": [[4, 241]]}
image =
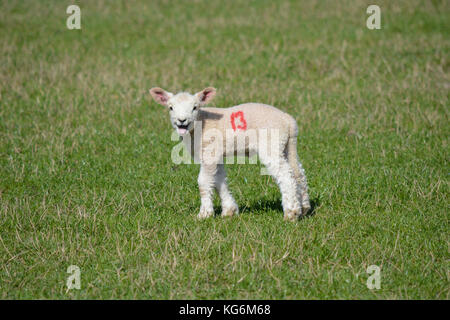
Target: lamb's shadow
{"points": [[266, 204]]}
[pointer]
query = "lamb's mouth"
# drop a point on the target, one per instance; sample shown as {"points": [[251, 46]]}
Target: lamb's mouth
{"points": [[182, 129]]}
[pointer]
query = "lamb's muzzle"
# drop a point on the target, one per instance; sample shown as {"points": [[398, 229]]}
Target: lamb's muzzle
{"points": [[257, 128]]}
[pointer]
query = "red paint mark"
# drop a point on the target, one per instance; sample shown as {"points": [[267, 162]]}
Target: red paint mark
{"points": [[242, 124]]}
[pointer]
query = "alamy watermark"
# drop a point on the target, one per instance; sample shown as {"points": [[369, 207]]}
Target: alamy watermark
{"points": [[74, 20], [212, 146], [374, 280], [74, 280], [374, 20]]}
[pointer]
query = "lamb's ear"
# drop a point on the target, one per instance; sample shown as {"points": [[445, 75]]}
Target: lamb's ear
{"points": [[160, 95], [206, 95]]}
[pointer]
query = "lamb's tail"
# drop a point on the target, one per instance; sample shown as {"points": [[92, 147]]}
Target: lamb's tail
{"points": [[297, 169]]}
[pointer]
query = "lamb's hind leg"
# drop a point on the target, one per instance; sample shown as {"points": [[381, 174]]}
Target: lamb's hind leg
{"points": [[229, 206], [303, 189], [206, 188], [279, 168], [299, 173]]}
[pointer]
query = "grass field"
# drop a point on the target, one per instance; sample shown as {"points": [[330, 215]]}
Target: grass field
{"points": [[86, 176]]}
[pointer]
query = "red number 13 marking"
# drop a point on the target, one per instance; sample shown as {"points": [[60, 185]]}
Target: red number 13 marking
{"points": [[241, 124]]}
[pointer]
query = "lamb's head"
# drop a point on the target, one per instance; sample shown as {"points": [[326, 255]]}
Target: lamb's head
{"points": [[183, 107]]}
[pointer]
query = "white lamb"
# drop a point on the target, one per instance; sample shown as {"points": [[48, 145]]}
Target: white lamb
{"points": [[220, 128]]}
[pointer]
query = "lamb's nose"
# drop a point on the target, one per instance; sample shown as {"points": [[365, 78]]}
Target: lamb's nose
{"points": [[182, 121]]}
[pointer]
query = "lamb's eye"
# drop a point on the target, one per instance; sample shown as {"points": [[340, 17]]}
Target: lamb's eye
{"points": [[170, 107], [195, 107]]}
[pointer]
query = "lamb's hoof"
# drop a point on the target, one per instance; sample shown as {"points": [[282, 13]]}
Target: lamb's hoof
{"points": [[229, 212], [305, 209], [204, 213], [291, 215]]}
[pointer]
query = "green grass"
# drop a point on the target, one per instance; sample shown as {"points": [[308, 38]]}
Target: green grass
{"points": [[86, 176]]}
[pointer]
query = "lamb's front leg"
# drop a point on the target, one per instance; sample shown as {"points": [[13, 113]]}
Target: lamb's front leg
{"points": [[229, 206], [206, 187]]}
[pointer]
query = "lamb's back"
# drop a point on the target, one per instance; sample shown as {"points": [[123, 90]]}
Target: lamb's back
{"points": [[248, 116]]}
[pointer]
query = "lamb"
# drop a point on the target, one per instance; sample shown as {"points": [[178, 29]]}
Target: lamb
{"points": [[219, 128]]}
